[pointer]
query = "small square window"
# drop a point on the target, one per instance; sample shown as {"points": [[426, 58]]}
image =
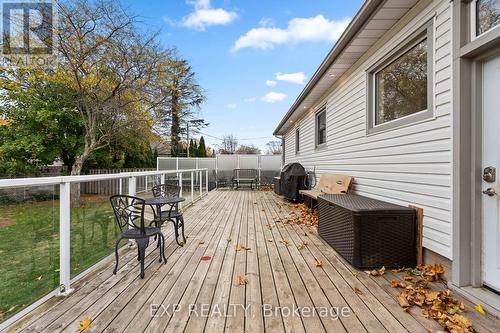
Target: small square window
{"points": [[297, 140], [321, 127], [487, 15]]}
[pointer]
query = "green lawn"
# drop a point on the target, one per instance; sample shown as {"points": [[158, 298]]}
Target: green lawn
{"points": [[29, 247]]}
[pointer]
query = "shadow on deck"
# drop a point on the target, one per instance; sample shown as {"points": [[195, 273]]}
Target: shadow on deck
{"points": [[194, 295]]}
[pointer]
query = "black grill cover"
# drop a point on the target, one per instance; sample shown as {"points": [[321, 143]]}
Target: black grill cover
{"points": [[292, 179]]}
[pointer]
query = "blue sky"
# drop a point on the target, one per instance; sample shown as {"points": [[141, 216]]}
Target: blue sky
{"points": [[253, 58]]}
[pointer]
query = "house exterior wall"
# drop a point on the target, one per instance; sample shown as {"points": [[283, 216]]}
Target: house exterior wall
{"points": [[411, 164]]}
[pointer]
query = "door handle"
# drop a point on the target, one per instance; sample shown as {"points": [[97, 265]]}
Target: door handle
{"points": [[490, 192]]}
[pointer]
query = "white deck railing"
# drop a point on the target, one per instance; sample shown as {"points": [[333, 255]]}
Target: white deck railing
{"points": [[65, 182]]}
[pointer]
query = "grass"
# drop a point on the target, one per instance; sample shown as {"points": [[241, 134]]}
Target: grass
{"points": [[29, 247]]}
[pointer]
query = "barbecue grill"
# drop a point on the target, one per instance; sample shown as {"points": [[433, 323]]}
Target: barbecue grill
{"points": [[292, 179]]}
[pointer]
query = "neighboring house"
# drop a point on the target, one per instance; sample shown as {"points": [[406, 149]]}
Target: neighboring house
{"points": [[408, 102]]}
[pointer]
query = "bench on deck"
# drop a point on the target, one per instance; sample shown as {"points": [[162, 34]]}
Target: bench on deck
{"points": [[244, 176], [329, 183]]}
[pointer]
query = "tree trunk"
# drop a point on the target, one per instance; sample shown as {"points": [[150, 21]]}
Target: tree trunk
{"points": [[176, 127], [76, 170]]}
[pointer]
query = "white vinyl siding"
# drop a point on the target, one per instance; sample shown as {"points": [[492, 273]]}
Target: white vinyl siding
{"points": [[411, 164]]}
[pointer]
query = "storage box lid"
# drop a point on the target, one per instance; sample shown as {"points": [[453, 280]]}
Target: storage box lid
{"points": [[357, 203]]}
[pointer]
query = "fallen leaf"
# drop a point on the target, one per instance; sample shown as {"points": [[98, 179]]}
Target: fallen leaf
{"points": [[270, 240], [358, 291], [302, 245], [480, 309], [403, 300], [206, 258], [242, 280], [242, 247], [398, 284], [84, 324], [201, 242], [319, 263], [408, 278], [284, 242]]}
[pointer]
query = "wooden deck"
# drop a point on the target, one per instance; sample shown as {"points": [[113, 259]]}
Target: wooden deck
{"points": [[192, 295]]}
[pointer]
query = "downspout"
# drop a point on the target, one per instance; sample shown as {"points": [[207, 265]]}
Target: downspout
{"points": [[282, 138]]}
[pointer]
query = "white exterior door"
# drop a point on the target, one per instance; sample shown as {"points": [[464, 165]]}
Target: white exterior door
{"points": [[491, 181]]}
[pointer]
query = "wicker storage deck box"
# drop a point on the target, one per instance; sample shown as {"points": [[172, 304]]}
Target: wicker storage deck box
{"points": [[368, 233]]}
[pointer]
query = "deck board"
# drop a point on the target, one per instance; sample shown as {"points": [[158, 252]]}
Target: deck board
{"points": [[279, 276]]}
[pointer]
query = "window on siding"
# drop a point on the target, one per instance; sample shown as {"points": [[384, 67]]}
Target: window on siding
{"points": [[400, 86], [487, 15], [297, 140], [321, 127]]}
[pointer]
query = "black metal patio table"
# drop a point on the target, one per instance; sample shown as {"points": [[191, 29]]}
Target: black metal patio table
{"points": [[174, 216]]}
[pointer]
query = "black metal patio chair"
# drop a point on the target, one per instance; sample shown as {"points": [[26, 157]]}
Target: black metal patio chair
{"points": [[129, 214], [173, 214]]}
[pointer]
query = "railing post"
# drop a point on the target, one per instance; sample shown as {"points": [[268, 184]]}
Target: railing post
{"points": [[216, 172], [146, 186], [259, 165], [162, 178], [201, 183], [65, 239], [120, 187], [132, 191], [206, 180], [132, 186], [180, 186], [192, 186]]}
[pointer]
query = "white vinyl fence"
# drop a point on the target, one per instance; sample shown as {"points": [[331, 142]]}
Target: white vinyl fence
{"points": [[220, 168]]}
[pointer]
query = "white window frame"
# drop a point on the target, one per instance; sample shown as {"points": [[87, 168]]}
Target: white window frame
{"points": [[473, 17], [426, 32], [316, 127]]}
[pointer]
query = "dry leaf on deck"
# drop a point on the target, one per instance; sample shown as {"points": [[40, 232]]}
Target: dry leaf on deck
{"points": [[319, 263], [358, 291], [242, 247], [270, 240], [397, 283], [242, 280], [84, 324], [302, 245], [285, 242], [480, 309], [201, 242], [403, 300]]}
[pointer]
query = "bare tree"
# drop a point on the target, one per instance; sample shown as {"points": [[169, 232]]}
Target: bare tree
{"points": [[229, 144], [274, 147]]}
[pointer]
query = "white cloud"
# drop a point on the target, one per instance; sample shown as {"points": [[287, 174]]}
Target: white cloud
{"points": [[249, 99], [231, 105], [298, 78], [271, 83], [273, 97], [204, 15], [317, 28]]}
